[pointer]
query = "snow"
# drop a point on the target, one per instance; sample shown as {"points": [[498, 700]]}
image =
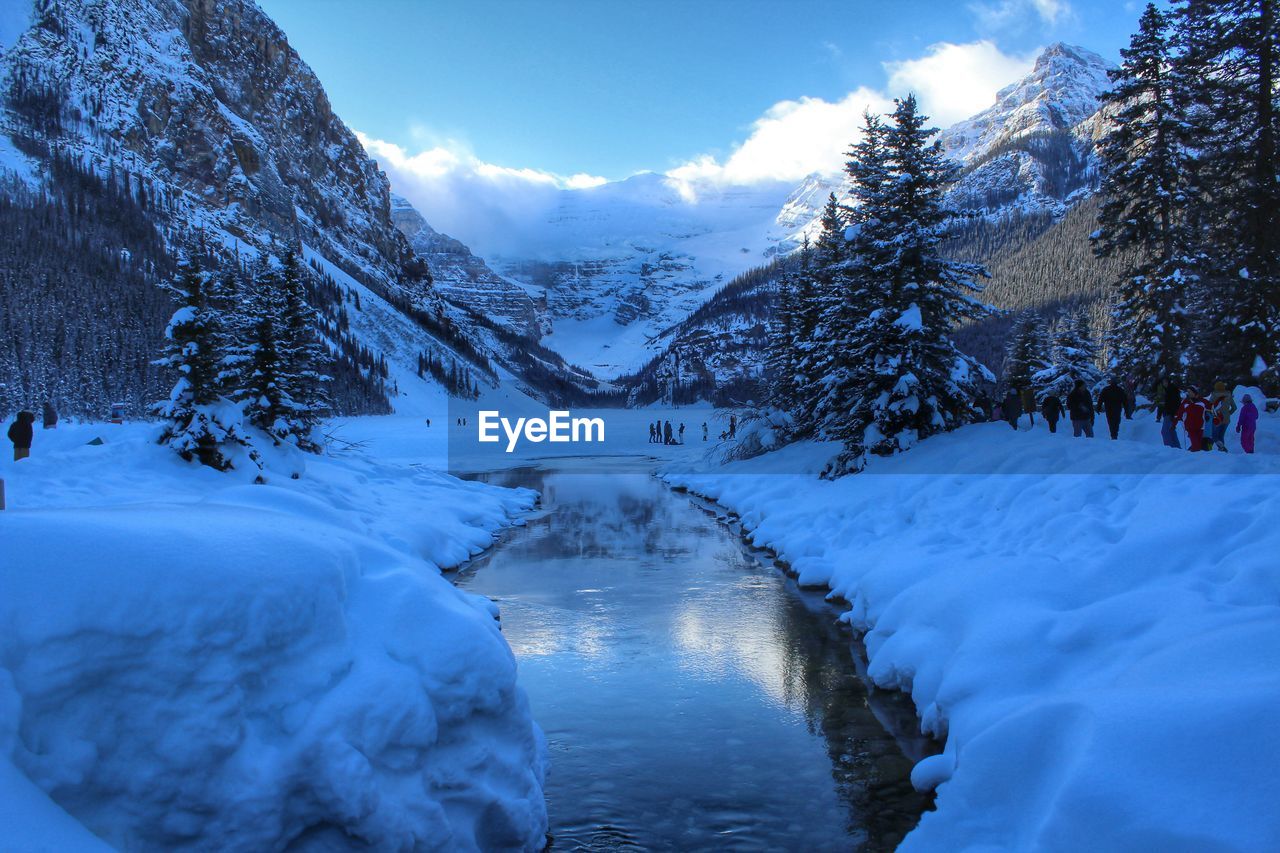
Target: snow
{"points": [[1093, 626], [185, 656]]}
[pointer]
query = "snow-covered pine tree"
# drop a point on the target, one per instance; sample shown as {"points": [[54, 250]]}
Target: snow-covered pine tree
{"points": [[808, 314], [848, 306], [1146, 193], [824, 282], [780, 356], [200, 423], [1027, 352], [304, 357], [263, 386], [917, 382], [1074, 356], [1229, 65]]}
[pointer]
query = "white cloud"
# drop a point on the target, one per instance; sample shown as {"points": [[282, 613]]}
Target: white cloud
{"points": [[794, 139], [1015, 16], [954, 81], [466, 197], [487, 205]]}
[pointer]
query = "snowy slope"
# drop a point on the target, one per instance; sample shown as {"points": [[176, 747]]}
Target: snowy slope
{"points": [[192, 662], [466, 280], [617, 263], [216, 124], [1093, 626]]}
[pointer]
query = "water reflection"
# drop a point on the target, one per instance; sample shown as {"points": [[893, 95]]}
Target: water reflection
{"points": [[691, 696]]}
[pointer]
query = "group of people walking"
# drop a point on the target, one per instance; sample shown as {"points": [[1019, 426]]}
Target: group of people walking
{"points": [[1205, 420]]}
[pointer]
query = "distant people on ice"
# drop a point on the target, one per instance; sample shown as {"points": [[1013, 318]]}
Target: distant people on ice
{"points": [[652, 433], [1247, 423], [50, 415], [733, 426], [1114, 402], [21, 431], [704, 430], [1080, 407], [666, 432], [681, 431]]}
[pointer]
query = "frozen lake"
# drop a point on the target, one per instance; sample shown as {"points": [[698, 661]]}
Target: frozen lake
{"points": [[692, 696]]}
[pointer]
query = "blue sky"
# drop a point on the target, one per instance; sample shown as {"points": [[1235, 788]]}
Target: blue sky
{"points": [[611, 87]]}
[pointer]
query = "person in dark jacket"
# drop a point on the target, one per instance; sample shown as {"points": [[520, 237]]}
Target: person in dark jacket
{"points": [[1012, 408], [1113, 401], [1051, 408], [733, 427], [1028, 400], [1168, 413], [20, 433], [50, 415], [666, 429], [1080, 407]]}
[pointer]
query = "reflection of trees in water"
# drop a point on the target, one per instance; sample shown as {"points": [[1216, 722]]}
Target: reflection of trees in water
{"points": [[870, 771]]}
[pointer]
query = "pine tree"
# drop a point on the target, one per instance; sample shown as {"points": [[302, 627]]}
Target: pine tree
{"points": [[264, 386], [1074, 356], [808, 315], [303, 357], [853, 296], [1027, 352], [199, 422], [1229, 60], [819, 355], [1147, 193], [916, 382], [780, 356]]}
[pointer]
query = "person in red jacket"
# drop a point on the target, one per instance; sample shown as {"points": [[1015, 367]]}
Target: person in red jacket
{"points": [[1191, 415]]}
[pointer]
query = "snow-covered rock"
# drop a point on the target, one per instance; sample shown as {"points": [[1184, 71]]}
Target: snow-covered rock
{"points": [[189, 662]]}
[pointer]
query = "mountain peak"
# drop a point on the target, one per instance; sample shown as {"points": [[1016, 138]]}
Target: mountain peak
{"points": [[1060, 92]]}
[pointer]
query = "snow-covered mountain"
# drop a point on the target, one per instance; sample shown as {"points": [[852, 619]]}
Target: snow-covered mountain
{"points": [[201, 120], [465, 279], [618, 263], [1027, 165], [1031, 149]]}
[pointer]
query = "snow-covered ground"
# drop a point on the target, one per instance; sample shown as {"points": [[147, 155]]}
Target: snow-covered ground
{"points": [[191, 660], [1093, 626]]}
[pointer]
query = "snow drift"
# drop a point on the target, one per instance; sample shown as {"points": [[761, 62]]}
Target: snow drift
{"points": [[190, 662]]}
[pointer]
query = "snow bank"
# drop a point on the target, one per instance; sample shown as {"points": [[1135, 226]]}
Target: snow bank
{"points": [[191, 662], [1101, 650]]}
